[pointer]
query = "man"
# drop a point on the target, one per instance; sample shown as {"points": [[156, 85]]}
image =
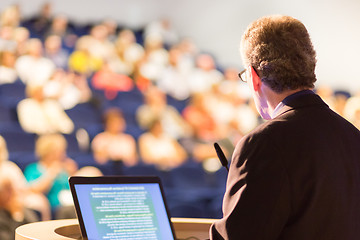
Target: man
{"points": [[297, 176]]}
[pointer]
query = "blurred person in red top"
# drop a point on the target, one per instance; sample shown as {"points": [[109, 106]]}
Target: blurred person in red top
{"points": [[111, 82]]}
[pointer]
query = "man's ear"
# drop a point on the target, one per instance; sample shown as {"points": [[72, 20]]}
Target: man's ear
{"points": [[255, 79]]}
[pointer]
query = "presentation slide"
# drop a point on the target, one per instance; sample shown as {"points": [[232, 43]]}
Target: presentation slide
{"points": [[129, 211]]}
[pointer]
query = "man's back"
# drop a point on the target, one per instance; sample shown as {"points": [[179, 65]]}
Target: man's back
{"points": [[298, 176], [322, 159]]}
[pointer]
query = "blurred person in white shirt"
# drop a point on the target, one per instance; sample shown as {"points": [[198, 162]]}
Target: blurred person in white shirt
{"points": [[40, 115], [33, 68], [68, 88], [205, 75]]}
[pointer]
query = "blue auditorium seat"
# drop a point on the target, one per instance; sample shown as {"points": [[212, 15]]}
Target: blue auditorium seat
{"points": [[178, 104], [7, 115], [84, 114], [187, 209], [189, 177], [83, 159], [12, 93], [18, 140], [142, 170], [72, 143], [128, 102]]}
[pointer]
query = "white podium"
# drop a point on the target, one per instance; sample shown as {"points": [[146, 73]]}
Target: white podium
{"points": [[69, 229]]}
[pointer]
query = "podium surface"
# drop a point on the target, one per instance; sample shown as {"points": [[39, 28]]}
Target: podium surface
{"points": [[69, 229]]}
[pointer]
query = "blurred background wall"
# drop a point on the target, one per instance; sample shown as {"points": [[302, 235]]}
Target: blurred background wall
{"points": [[216, 26]]}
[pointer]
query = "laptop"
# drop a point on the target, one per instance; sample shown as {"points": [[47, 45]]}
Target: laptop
{"points": [[121, 207]]}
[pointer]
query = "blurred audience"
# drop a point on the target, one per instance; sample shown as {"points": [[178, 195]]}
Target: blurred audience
{"points": [[174, 78], [41, 21], [33, 68], [81, 59], [327, 94], [41, 115], [113, 144], [7, 71], [156, 107], [129, 52], [21, 37], [68, 88], [55, 52], [18, 205], [205, 75], [197, 115], [111, 82], [50, 174], [60, 27], [163, 29], [10, 16], [12, 211], [158, 148], [29, 199], [155, 59], [352, 110], [7, 43]]}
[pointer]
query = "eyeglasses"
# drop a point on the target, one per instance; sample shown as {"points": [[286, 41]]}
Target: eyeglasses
{"points": [[242, 75]]}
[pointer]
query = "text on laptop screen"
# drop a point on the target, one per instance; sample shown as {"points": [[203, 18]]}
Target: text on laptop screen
{"points": [[123, 211]]}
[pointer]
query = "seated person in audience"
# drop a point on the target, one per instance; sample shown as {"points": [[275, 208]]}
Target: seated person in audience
{"points": [[81, 59], [111, 82], [95, 47], [40, 22], [7, 71], [198, 116], [10, 16], [205, 75], [128, 51], [40, 115], [164, 29], [7, 42], [111, 28], [156, 107], [155, 60], [50, 174], [12, 211], [33, 68], [158, 148], [21, 37], [25, 199], [55, 52], [173, 79], [60, 27], [206, 131], [68, 88], [100, 46], [113, 144]]}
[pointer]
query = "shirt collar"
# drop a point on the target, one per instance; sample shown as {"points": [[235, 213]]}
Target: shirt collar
{"points": [[276, 111], [278, 108]]}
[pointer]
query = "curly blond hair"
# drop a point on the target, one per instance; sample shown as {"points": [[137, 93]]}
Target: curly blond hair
{"points": [[279, 48]]}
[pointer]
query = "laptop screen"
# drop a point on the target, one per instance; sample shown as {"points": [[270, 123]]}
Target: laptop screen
{"points": [[121, 209]]}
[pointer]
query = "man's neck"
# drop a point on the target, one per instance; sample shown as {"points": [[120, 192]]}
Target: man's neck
{"points": [[274, 98]]}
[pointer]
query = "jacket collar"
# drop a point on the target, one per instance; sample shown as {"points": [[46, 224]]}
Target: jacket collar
{"points": [[299, 99]]}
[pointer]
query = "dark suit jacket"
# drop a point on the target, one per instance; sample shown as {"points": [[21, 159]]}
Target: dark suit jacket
{"points": [[295, 177]]}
